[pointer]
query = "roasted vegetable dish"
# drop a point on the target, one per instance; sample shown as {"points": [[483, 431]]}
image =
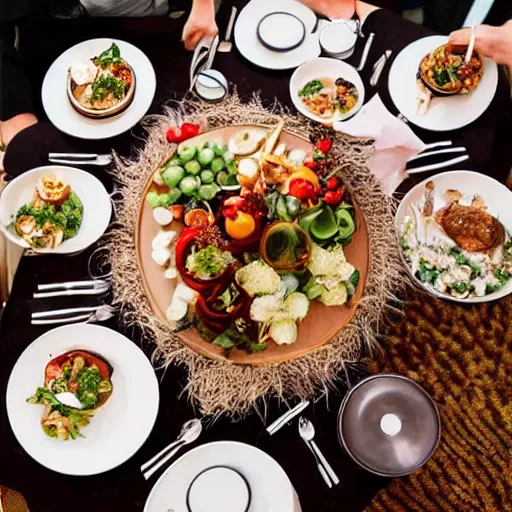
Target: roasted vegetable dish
{"points": [[75, 384], [101, 82], [445, 71]]}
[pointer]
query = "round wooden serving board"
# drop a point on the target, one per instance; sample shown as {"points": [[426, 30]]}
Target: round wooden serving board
{"points": [[318, 328]]}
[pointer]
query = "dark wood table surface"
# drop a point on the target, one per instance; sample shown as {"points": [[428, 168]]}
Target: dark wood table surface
{"points": [[124, 488]]}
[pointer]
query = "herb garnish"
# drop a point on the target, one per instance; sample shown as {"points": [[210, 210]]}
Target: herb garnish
{"points": [[311, 88], [106, 84]]}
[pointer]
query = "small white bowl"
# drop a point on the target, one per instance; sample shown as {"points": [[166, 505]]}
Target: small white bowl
{"points": [[324, 68], [94, 197], [338, 39], [211, 85]]}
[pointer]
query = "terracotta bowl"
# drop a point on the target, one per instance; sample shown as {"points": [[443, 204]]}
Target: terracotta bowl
{"points": [[98, 114], [318, 328]]}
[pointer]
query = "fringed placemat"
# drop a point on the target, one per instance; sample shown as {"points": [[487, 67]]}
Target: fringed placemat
{"points": [[462, 356], [222, 387]]}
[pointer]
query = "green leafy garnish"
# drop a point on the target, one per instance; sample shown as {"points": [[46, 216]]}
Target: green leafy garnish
{"points": [[106, 84], [311, 88], [110, 56], [208, 262], [67, 216], [226, 301]]}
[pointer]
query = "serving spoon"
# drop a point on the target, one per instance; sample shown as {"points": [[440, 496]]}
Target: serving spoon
{"points": [[189, 433]]}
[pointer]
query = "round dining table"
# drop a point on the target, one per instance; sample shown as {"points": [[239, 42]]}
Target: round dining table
{"points": [[124, 488]]}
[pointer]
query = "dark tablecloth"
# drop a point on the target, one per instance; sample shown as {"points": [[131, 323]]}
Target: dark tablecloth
{"points": [[124, 488]]}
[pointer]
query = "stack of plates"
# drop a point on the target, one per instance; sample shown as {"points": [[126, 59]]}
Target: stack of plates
{"points": [[277, 35]]}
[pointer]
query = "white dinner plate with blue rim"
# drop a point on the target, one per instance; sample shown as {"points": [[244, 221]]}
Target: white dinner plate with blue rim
{"points": [[61, 113], [251, 47], [270, 487], [444, 114], [117, 429]]}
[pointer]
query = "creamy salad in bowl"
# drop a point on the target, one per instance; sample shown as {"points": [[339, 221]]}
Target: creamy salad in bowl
{"points": [[443, 266]]}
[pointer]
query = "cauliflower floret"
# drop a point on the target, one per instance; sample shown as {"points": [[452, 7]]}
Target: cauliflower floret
{"points": [[323, 262], [257, 278], [284, 332], [297, 305], [329, 267], [265, 309], [335, 296]]}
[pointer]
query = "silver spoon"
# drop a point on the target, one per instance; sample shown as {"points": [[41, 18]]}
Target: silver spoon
{"points": [[307, 432], [189, 433]]}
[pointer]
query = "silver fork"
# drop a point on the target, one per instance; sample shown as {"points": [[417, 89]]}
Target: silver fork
{"points": [[80, 159], [94, 314]]}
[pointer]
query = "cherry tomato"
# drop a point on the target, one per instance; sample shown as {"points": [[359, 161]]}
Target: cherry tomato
{"points": [[310, 164], [189, 130], [333, 197], [333, 183], [324, 145], [301, 189], [174, 135]]}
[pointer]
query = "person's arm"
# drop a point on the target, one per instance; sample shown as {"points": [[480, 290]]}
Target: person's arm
{"points": [[200, 23], [332, 9], [492, 42]]}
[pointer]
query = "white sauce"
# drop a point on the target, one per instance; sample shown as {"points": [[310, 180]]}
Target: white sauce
{"points": [[83, 72]]}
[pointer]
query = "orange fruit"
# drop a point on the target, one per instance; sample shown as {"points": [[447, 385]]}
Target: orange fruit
{"points": [[240, 227]]}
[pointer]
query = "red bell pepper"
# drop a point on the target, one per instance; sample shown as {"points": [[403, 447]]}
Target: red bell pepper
{"points": [[219, 321], [202, 286]]}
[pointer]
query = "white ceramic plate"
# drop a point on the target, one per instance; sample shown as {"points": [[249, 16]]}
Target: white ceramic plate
{"points": [[445, 113], [247, 42], [496, 196], [118, 428], [61, 113], [324, 68], [94, 197], [271, 490]]}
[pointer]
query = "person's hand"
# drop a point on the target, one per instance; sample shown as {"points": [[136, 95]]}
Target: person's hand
{"points": [[200, 23], [492, 42]]}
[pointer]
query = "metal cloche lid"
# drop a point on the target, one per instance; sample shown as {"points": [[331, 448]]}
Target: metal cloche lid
{"points": [[389, 425]]}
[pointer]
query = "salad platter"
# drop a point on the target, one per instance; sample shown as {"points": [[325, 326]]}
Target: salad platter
{"points": [[250, 246]]}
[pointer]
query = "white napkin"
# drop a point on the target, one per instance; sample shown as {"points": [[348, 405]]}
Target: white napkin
{"points": [[395, 142]]}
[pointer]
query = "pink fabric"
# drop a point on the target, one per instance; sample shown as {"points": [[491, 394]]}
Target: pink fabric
{"points": [[395, 142]]}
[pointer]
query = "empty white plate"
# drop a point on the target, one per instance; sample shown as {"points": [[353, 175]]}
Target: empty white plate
{"points": [[118, 428], [271, 490], [61, 113], [281, 31], [94, 197], [250, 46], [444, 114]]}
